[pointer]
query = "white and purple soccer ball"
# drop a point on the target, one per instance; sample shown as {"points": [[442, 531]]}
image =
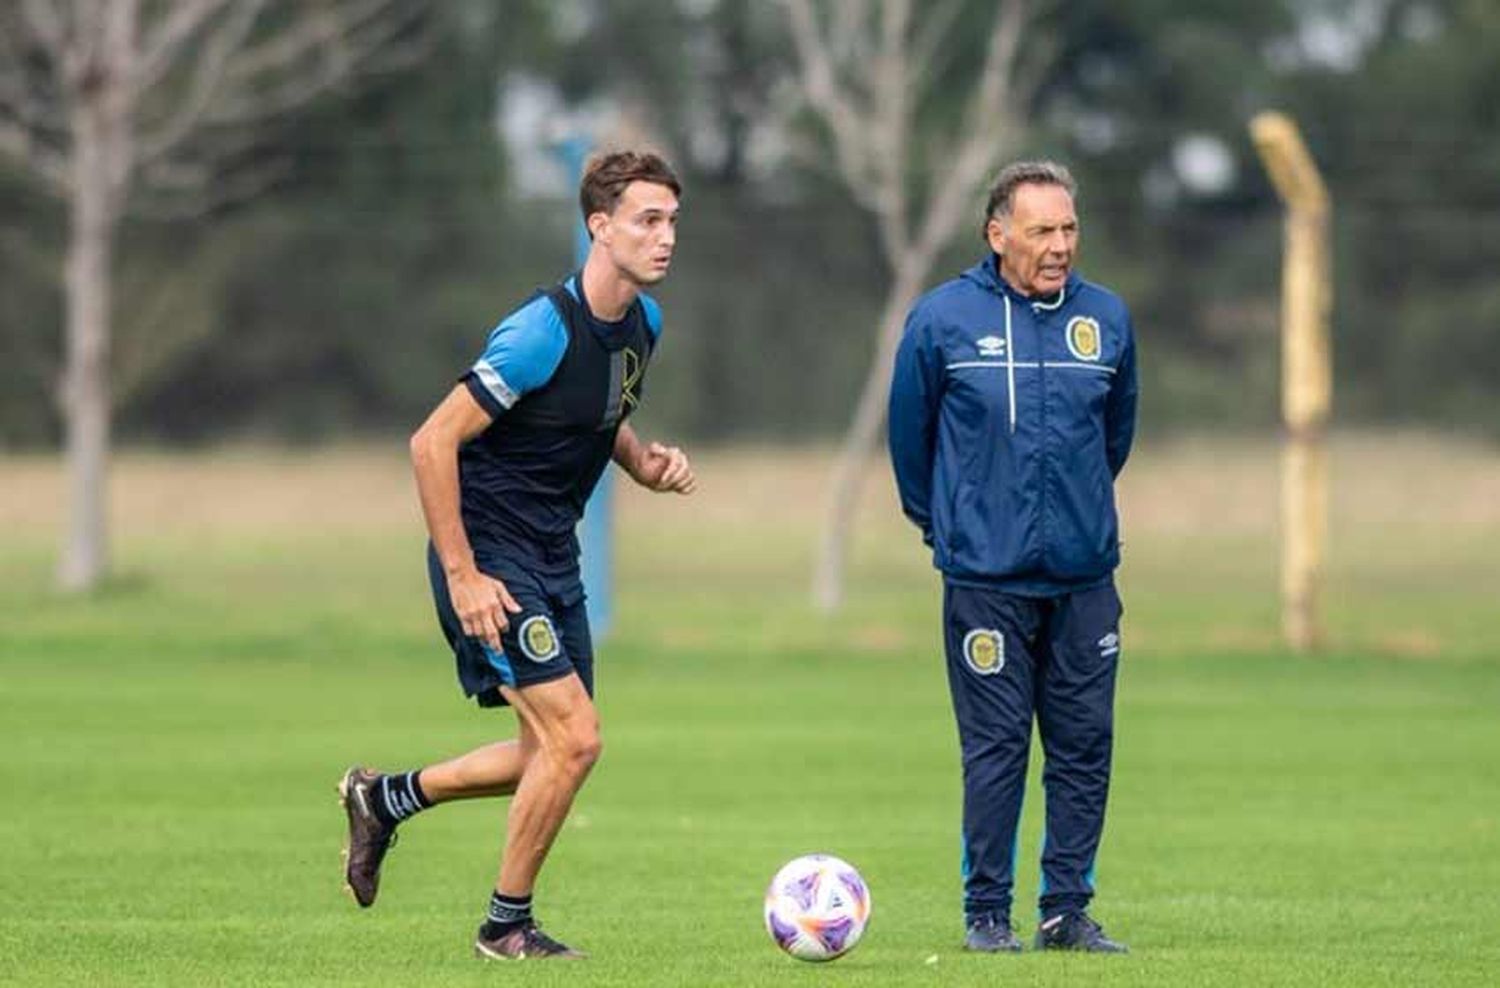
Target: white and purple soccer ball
{"points": [[817, 907]]}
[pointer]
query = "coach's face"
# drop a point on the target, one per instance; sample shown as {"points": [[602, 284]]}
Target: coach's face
{"points": [[641, 232], [1038, 240]]}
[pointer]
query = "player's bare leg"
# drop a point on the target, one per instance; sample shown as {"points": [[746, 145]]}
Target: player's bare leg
{"points": [[562, 719], [491, 770], [566, 726]]}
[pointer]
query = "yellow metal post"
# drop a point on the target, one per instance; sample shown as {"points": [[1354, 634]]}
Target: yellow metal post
{"points": [[1306, 374]]}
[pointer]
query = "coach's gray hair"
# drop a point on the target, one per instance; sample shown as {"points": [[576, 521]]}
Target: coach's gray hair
{"points": [[1017, 174]]}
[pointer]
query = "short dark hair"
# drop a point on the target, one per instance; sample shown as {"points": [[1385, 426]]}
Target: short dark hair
{"points": [[607, 176], [1017, 174]]}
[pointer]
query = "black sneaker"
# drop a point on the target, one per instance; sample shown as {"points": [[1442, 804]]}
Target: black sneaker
{"points": [[369, 838], [526, 940], [1075, 931], [992, 935]]}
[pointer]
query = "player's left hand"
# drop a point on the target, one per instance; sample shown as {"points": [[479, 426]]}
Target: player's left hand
{"points": [[666, 468]]}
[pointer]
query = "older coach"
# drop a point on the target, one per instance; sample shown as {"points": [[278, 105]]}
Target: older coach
{"points": [[1012, 410]]}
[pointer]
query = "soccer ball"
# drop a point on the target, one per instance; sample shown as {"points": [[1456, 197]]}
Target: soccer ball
{"points": [[817, 907]]}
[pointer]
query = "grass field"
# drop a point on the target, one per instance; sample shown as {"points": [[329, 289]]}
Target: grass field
{"points": [[171, 744]]}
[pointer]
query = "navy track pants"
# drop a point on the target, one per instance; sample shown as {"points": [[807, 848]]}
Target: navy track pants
{"points": [[1012, 659]]}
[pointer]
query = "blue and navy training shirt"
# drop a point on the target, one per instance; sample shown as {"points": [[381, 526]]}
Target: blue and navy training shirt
{"points": [[558, 382]]}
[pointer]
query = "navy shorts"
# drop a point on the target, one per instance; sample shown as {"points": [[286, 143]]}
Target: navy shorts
{"points": [[547, 640]]}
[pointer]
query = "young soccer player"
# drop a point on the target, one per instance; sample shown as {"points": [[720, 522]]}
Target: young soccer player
{"points": [[504, 466]]}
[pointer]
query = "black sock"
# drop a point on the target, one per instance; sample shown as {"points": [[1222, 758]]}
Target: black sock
{"points": [[396, 797], [506, 913]]}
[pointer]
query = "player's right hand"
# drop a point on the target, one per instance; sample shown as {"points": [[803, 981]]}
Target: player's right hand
{"points": [[483, 606]]}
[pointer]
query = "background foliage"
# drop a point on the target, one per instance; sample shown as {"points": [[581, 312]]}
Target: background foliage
{"points": [[344, 301]]}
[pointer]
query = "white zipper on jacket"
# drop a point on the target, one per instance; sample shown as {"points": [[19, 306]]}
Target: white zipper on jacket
{"points": [[1010, 346], [1010, 365]]}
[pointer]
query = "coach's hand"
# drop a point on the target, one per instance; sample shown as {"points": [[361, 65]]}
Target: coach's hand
{"points": [[483, 605], [666, 468]]}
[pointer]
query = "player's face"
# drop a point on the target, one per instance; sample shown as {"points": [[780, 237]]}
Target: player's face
{"points": [[641, 232], [1038, 240]]}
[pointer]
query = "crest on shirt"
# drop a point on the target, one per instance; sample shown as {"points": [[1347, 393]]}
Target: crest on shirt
{"points": [[990, 346], [630, 387], [984, 651], [1083, 337], [538, 639]]}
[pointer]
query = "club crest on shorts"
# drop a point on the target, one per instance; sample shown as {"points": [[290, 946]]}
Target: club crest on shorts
{"points": [[1082, 335], [538, 639], [984, 651]]}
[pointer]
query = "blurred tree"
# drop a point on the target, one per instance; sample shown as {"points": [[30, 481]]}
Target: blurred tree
{"points": [[398, 229], [865, 71], [100, 98], [358, 290]]}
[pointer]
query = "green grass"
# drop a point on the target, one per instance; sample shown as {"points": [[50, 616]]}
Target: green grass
{"points": [[171, 746]]}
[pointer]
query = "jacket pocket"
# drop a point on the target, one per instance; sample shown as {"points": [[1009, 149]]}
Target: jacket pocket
{"points": [[1086, 538]]}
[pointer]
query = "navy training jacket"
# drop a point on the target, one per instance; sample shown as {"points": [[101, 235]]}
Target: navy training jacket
{"points": [[1010, 417]]}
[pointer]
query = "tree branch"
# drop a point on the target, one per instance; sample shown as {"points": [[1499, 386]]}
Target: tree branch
{"points": [[937, 21], [208, 74], [999, 61], [26, 119], [364, 40], [831, 102], [234, 86], [316, 28], [846, 31], [987, 123], [46, 24], [191, 190], [162, 45], [890, 125], [870, 114]]}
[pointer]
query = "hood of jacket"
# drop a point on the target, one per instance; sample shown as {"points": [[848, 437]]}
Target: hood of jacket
{"points": [[986, 274]]}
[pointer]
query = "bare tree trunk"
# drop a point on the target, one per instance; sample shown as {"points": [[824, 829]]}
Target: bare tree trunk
{"points": [[98, 162], [133, 85], [861, 72], [859, 442]]}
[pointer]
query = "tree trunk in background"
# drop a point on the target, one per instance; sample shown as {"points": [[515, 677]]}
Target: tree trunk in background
{"points": [[98, 161], [861, 73], [864, 433], [93, 92]]}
